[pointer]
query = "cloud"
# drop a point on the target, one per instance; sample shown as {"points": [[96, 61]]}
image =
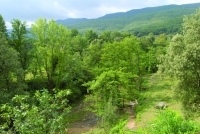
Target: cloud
{"points": [[8, 25]]}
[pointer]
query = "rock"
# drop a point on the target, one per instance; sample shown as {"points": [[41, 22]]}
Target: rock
{"points": [[161, 105], [132, 104]]}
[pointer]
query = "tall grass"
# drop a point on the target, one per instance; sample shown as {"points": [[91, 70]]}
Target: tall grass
{"points": [[170, 122]]}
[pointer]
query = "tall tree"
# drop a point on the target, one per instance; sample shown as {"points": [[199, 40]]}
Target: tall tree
{"points": [[20, 42], [3, 26], [182, 61], [118, 74], [50, 50], [11, 71]]}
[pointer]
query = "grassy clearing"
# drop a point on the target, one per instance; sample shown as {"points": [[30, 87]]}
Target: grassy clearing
{"points": [[159, 89]]}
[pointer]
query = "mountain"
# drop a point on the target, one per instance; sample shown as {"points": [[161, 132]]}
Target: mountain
{"points": [[71, 21], [162, 19]]}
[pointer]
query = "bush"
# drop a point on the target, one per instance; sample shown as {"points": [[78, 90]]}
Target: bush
{"points": [[75, 95], [169, 122], [109, 116], [36, 83], [119, 127], [42, 113]]}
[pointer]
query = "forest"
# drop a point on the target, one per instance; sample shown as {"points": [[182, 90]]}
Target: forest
{"points": [[162, 19], [52, 76]]}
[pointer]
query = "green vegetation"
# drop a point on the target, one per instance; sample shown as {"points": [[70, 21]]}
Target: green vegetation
{"points": [[170, 122], [181, 63], [115, 76], [42, 113], [11, 77], [20, 42]]}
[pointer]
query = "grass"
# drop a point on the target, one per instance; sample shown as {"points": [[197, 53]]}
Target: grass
{"points": [[75, 116], [77, 113], [159, 89]]}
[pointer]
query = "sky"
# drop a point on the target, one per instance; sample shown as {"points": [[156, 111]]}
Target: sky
{"points": [[31, 10]]}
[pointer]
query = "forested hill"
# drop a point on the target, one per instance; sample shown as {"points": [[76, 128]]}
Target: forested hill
{"points": [[162, 19]]}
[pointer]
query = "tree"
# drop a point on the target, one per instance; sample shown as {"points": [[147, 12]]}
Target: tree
{"points": [[118, 74], [161, 40], [78, 44], [109, 117], [50, 50], [116, 34], [74, 32], [126, 55], [182, 62], [113, 84], [93, 54], [147, 42], [20, 42], [90, 36], [11, 72], [106, 36], [152, 62], [3, 26]]}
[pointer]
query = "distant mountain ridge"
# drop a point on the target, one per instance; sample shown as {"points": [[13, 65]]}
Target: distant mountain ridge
{"points": [[161, 19], [71, 21]]}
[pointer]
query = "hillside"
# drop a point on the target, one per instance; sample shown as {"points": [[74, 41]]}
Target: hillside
{"points": [[71, 21], [162, 19]]}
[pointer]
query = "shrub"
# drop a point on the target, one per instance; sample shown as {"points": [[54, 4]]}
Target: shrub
{"points": [[119, 127], [42, 113], [169, 122]]}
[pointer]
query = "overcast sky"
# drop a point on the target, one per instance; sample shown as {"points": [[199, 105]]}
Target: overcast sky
{"points": [[31, 10]]}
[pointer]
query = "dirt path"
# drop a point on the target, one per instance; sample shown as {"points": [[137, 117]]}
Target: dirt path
{"points": [[131, 124]]}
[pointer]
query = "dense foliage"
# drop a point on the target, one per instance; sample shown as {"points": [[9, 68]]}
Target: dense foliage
{"points": [[42, 113], [11, 78], [46, 69], [182, 63], [170, 122]]}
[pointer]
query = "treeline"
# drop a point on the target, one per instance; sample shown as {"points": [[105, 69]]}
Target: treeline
{"points": [[51, 56], [170, 26]]}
